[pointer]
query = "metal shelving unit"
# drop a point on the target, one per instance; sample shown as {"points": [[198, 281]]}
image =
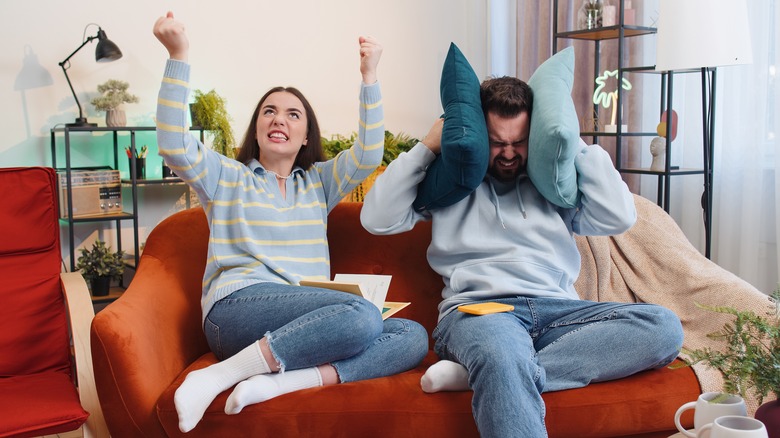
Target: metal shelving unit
{"points": [[621, 32], [129, 212]]}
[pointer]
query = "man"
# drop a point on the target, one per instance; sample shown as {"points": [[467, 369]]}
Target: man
{"points": [[505, 243]]}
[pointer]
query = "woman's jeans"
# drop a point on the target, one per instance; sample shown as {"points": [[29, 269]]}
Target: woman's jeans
{"points": [[549, 345], [307, 327]]}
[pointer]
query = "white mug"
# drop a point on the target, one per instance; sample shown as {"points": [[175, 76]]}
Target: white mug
{"points": [[707, 412], [733, 426]]}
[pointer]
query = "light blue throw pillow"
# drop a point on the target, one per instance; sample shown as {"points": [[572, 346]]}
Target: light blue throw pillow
{"points": [[555, 135]]}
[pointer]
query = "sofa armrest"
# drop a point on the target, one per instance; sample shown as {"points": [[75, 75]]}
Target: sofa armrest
{"points": [[144, 340], [81, 313]]}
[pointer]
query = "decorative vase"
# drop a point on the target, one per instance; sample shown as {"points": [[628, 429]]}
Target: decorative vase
{"points": [[115, 118], [769, 414], [100, 286]]}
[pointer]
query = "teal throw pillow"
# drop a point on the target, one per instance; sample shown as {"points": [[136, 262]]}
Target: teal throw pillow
{"points": [[555, 135], [463, 162]]}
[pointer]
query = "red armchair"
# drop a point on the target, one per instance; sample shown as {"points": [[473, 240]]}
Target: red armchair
{"points": [[38, 394]]}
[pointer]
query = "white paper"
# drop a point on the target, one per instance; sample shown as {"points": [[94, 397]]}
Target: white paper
{"points": [[374, 287]]}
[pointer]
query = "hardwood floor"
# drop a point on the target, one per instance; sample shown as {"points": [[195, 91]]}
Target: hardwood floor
{"points": [[73, 434]]}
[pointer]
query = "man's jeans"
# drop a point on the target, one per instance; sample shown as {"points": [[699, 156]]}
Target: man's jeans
{"points": [[308, 326], [549, 345]]}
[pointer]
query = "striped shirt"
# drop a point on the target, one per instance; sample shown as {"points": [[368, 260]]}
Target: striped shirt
{"points": [[256, 234]]}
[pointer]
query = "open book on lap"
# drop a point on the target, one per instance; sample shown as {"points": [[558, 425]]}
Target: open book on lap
{"points": [[371, 287]]}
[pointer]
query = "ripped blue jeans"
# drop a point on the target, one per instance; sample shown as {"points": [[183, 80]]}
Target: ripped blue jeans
{"points": [[546, 345], [308, 326]]}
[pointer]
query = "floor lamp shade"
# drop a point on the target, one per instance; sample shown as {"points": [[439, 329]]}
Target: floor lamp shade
{"points": [[105, 51], [702, 33]]}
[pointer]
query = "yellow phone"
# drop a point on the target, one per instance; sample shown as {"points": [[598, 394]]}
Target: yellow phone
{"points": [[485, 308]]}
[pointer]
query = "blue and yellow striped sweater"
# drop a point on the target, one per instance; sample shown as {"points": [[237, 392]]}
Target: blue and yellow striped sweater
{"points": [[256, 234]]}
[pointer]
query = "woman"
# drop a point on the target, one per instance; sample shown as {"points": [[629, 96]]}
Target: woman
{"points": [[267, 215]]}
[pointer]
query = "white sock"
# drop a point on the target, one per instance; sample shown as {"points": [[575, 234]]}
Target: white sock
{"points": [[260, 388], [445, 375], [201, 387]]}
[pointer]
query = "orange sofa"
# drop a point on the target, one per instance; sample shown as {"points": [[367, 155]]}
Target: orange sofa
{"points": [[146, 342]]}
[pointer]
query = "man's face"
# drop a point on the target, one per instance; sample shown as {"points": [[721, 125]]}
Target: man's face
{"points": [[508, 138]]}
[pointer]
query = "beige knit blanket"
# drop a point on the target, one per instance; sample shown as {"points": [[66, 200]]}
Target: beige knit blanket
{"points": [[654, 262]]}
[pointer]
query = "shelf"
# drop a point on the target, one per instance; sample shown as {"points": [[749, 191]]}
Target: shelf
{"points": [[154, 181], [103, 128], [641, 69], [644, 171], [113, 294], [606, 33], [614, 134], [100, 217]]}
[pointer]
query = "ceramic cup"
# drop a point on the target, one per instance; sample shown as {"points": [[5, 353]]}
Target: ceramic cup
{"points": [[707, 412], [733, 426]]}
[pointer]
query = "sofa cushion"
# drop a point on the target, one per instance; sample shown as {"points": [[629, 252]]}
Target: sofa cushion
{"points": [[30, 292], [463, 161], [395, 406], [555, 132], [28, 197], [39, 404]]}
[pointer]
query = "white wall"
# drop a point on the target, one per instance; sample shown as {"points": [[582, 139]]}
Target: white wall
{"points": [[239, 48]]}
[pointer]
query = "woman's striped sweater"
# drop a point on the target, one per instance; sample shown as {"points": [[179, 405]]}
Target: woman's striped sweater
{"points": [[257, 235]]}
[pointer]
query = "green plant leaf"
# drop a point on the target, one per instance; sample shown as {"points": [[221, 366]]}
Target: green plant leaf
{"points": [[100, 261], [395, 144], [750, 358], [210, 111]]}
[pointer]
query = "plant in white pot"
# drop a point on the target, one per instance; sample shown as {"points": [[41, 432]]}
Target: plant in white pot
{"points": [[113, 94], [99, 266]]}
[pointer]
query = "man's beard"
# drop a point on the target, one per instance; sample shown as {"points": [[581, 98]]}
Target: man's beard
{"points": [[507, 174]]}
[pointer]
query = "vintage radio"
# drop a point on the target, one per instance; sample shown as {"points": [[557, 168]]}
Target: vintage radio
{"points": [[94, 192]]}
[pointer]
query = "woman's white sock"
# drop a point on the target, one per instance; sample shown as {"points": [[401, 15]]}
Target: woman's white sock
{"points": [[201, 387], [257, 389], [445, 375]]}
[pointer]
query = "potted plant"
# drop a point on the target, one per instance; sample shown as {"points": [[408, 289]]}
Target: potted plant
{"points": [[209, 111], [113, 94], [395, 144], [750, 360], [99, 266]]}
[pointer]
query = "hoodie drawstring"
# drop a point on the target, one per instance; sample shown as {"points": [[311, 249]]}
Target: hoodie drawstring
{"points": [[520, 199], [496, 204]]}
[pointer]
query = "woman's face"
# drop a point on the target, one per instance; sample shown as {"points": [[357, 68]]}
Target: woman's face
{"points": [[281, 126]]}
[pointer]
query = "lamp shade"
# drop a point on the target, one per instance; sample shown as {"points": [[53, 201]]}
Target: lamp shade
{"points": [[106, 50], [702, 33]]}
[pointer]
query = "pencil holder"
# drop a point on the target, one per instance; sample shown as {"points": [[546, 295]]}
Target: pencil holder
{"points": [[140, 167]]}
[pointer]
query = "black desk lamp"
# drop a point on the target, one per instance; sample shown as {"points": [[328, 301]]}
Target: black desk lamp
{"points": [[105, 51]]}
